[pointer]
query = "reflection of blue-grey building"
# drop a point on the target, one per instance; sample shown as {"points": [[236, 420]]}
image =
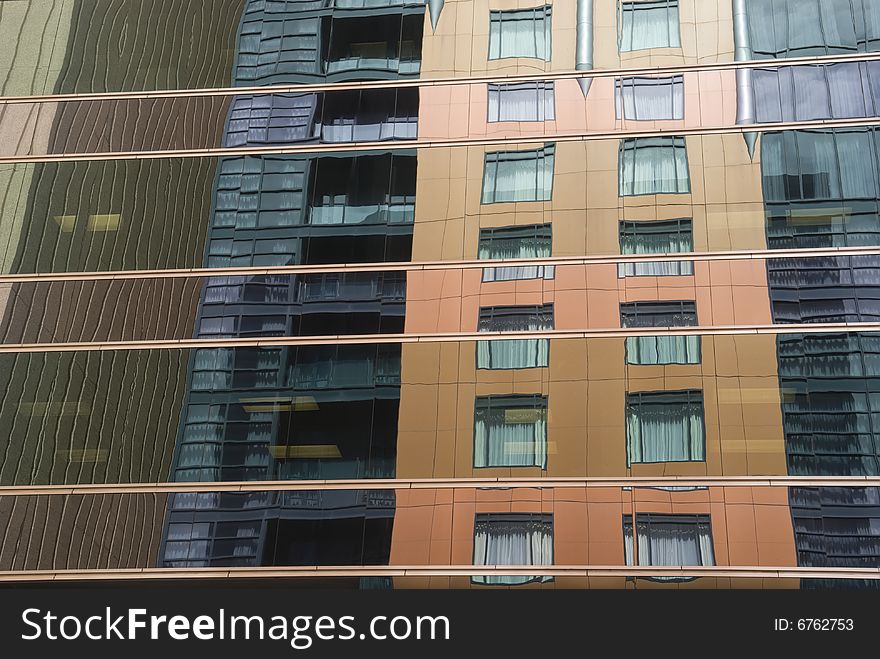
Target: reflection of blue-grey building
{"points": [[314, 527], [821, 189], [309, 412], [837, 527]]}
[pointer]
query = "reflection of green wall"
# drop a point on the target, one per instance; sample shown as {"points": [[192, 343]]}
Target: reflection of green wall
{"points": [[104, 531], [164, 207], [124, 404], [82, 46], [34, 37]]}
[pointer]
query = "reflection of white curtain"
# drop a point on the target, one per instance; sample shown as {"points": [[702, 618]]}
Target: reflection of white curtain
{"points": [[669, 543], [518, 176], [663, 350], [857, 156], [872, 21], [519, 272], [513, 353], [655, 268], [847, 85], [646, 99], [646, 241], [649, 25], [809, 92], [530, 101], [654, 165], [831, 164], [520, 33], [509, 543], [795, 28], [500, 444], [664, 433]]}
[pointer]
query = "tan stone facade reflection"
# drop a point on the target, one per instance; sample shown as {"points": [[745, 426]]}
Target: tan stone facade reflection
{"points": [[460, 44], [587, 380], [749, 526], [586, 386]]}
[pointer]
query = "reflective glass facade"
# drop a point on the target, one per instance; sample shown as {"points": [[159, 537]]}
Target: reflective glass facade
{"points": [[447, 294]]}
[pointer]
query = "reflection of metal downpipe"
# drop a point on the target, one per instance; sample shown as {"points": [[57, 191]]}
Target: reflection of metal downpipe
{"points": [[745, 93], [584, 46], [434, 9]]}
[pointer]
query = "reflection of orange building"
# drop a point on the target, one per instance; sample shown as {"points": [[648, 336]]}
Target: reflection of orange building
{"points": [[461, 111], [459, 45], [588, 297], [749, 526], [587, 381], [586, 387]]}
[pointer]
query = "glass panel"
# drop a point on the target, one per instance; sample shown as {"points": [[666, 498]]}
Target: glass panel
{"points": [[523, 33], [665, 427], [518, 176], [650, 99], [512, 540], [649, 25], [653, 165], [526, 101]]}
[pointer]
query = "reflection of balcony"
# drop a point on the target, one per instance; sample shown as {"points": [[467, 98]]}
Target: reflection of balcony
{"points": [[340, 214], [357, 63], [338, 374], [300, 468], [353, 288]]}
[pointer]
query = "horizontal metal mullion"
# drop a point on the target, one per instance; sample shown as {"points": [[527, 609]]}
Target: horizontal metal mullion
{"points": [[717, 571], [429, 266], [441, 337], [636, 482], [354, 147], [441, 81]]}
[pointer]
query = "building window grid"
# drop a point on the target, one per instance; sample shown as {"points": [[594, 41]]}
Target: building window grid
{"points": [[664, 349], [523, 33], [646, 25], [836, 526], [505, 354], [668, 313], [843, 289], [206, 544], [517, 242], [339, 197], [518, 318], [653, 165], [665, 426], [815, 202], [388, 44], [810, 92], [535, 531], [523, 101], [823, 377], [656, 236], [649, 98], [513, 176], [510, 431], [782, 28], [676, 540]]}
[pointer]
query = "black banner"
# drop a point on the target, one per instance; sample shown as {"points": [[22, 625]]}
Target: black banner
{"points": [[223, 620]]}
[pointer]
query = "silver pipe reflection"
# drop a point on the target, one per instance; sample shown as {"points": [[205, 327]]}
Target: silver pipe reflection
{"points": [[584, 45], [434, 9], [745, 94]]}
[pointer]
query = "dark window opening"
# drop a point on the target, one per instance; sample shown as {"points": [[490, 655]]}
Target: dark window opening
{"points": [[367, 46], [363, 190]]}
